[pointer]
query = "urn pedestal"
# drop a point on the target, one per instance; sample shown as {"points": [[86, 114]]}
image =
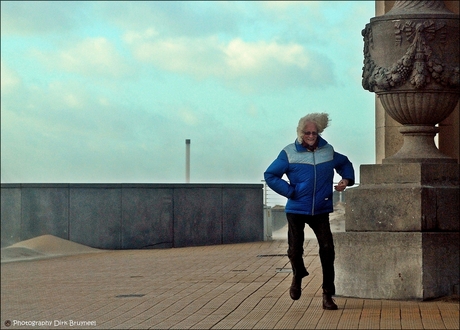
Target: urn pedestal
{"points": [[402, 222], [401, 238]]}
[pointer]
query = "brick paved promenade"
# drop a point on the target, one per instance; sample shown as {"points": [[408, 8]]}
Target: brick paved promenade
{"points": [[240, 286]]}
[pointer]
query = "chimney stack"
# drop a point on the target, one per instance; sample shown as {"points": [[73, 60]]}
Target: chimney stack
{"points": [[187, 160]]}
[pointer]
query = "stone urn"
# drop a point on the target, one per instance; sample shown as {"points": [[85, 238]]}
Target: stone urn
{"points": [[411, 61]]}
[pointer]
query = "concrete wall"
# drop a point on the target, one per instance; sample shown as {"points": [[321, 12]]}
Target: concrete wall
{"points": [[133, 216]]}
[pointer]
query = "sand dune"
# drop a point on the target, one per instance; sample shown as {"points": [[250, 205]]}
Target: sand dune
{"points": [[43, 247]]}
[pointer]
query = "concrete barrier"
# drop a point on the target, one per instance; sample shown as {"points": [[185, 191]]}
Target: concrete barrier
{"points": [[133, 216]]}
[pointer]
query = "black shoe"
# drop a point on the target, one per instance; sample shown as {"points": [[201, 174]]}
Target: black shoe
{"points": [[328, 302], [296, 288]]}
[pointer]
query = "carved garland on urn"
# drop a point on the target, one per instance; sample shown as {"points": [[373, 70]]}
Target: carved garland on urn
{"points": [[418, 65]]}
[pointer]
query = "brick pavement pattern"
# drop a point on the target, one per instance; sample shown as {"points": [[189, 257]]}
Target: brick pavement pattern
{"points": [[238, 286]]}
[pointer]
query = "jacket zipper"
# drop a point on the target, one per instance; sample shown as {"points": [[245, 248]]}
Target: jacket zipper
{"points": [[314, 186]]}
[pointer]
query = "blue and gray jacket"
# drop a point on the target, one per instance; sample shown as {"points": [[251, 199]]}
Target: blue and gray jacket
{"points": [[310, 174]]}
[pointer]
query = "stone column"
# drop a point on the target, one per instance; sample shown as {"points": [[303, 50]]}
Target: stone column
{"points": [[387, 138], [402, 222], [449, 133]]}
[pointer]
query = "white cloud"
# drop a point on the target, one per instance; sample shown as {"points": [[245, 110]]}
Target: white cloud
{"points": [[245, 58], [199, 58], [247, 65], [90, 57], [175, 18], [134, 36], [10, 79], [27, 18], [252, 111], [188, 116]]}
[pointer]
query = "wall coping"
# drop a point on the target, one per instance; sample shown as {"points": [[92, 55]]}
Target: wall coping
{"points": [[133, 185]]}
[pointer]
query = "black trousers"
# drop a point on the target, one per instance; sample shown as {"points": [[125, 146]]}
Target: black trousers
{"points": [[296, 236]]}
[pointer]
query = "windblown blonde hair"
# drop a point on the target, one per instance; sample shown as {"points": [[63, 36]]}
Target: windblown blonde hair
{"points": [[321, 120]]}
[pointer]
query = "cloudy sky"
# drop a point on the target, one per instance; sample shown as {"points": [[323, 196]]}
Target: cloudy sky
{"points": [[108, 92]]}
